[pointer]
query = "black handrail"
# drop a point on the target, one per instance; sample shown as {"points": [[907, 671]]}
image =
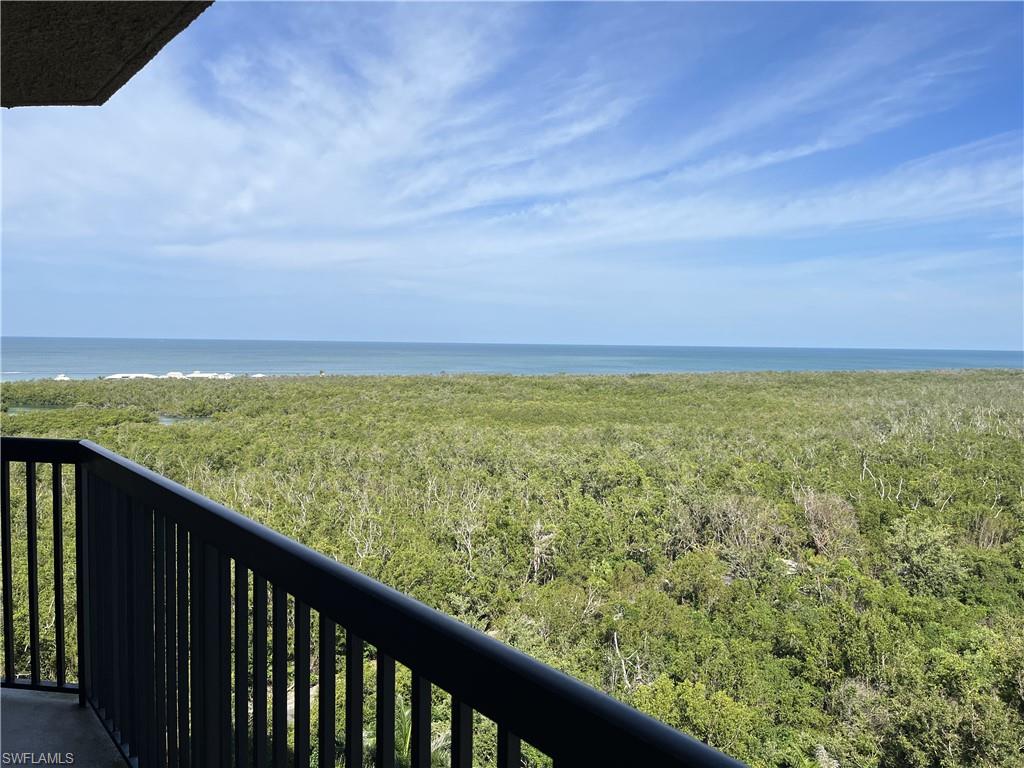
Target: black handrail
{"points": [[143, 650]]}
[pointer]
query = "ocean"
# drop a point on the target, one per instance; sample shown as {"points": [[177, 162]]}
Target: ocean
{"points": [[81, 358]]}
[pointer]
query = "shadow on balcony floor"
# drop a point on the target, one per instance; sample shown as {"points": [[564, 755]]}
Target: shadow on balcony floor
{"points": [[53, 724]]}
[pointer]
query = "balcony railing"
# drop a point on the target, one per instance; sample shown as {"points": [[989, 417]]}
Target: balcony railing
{"points": [[174, 599]]}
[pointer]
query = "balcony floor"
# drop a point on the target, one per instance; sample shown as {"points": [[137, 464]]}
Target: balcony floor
{"points": [[41, 722]]}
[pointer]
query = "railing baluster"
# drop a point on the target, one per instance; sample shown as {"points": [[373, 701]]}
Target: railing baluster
{"points": [[132, 711], [301, 684], [280, 673], [184, 614], [33, 570], [97, 592], [101, 678], [197, 667], [353, 700], [106, 537], [462, 735], [241, 665], [327, 672], [385, 711], [58, 573], [116, 656], [83, 622], [170, 644], [5, 552], [419, 741], [145, 727], [117, 618], [223, 676], [133, 627], [509, 749], [212, 695], [259, 671], [96, 587], [159, 736]]}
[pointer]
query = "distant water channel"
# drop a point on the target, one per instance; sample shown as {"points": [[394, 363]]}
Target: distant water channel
{"points": [[33, 358]]}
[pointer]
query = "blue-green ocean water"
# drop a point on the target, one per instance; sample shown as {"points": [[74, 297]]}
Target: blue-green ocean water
{"points": [[31, 358]]}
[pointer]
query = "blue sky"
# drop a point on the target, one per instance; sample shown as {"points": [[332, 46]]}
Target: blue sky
{"points": [[779, 175]]}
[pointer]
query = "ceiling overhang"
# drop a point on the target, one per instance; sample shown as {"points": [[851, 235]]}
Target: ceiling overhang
{"points": [[81, 53]]}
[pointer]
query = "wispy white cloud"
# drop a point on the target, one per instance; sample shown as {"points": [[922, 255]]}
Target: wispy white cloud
{"points": [[982, 178]]}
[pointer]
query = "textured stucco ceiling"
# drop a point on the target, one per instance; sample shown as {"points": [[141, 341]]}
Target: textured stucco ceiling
{"points": [[80, 53]]}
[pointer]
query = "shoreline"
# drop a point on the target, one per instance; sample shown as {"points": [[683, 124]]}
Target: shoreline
{"points": [[27, 359], [257, 377]]}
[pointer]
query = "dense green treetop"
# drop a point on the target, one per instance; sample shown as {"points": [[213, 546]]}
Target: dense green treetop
{"points": [[801, 569]]}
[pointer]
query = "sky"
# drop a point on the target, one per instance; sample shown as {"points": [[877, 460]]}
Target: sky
{"points": [[823, 175]]}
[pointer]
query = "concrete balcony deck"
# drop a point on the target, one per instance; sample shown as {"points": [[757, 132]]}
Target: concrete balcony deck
{"points": [[47, 725]]}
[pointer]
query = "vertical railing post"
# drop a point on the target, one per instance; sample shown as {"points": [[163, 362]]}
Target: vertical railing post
{"points": [[385, 710], [132, 711], [33, 570], [419, 739], [509, 749], [462, 735], [116, 619], [213, 690], [223, 658], [327, 674], [57, 491], [197, 667], [279, 667], [261, 753], [97, 591], [301, 707], [171, 643], [213, 732], [184, 655], [5, 554], [82, 623], [145, 727], [241, 665], [159, 735], [353, 699]]}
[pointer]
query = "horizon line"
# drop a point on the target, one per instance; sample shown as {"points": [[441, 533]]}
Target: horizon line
{"points": [[516, 343]]}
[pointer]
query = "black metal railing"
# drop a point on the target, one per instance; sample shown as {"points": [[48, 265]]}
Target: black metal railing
{"points": [[176, 596]]}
